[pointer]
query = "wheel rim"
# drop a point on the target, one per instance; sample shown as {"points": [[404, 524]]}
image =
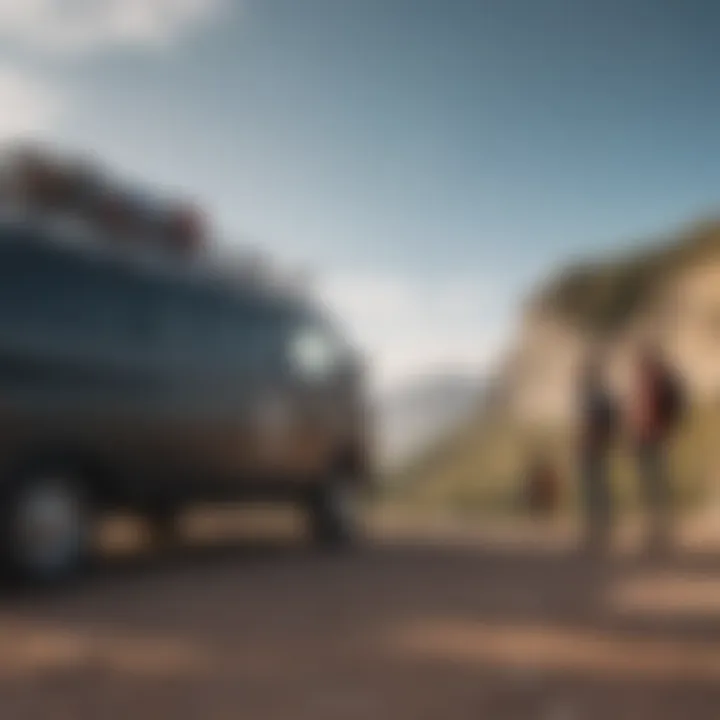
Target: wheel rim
{"points": [[49, 527], [347, 504]]}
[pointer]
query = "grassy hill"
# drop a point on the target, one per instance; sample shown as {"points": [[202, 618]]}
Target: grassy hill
{"points": [[482, 470]]}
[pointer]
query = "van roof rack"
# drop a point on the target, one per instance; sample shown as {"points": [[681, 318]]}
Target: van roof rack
{"points": [[239, 269], [148, 236]]}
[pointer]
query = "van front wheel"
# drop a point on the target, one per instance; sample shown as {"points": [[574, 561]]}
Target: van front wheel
{"points": [[46, 528], [336, 512]]}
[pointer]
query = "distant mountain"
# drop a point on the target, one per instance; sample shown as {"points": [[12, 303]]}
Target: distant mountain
{"points": [[423, 411]]}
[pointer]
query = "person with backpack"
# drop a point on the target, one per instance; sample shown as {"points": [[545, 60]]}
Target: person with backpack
{"points": [[657, 408], [597, 416]]}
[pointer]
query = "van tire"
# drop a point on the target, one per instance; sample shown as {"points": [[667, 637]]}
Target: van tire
{"points": [[163, 524], [45, 527], [335, 513]]}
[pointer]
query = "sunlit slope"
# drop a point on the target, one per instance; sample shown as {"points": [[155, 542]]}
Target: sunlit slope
{"points": [[483, 467]]}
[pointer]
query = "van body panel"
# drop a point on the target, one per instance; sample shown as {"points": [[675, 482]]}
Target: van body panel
{"points": [[166, 386]]}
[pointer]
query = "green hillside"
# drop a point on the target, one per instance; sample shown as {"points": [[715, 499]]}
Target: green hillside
{"points": [[483, 469]]}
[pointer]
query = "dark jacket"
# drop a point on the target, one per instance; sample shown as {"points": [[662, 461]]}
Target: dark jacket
{"points": [[597, 418]]}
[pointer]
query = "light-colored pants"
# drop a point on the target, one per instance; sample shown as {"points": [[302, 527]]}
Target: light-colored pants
{"points": [[655, 488], [596, 497]]}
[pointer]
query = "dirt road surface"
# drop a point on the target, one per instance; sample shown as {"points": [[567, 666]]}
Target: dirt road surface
{"points": [[415, 626]]}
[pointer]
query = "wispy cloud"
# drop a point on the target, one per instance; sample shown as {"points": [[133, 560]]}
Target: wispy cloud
{"points": [[31, 101], [79, 26], [411, 326], [29, 106]]}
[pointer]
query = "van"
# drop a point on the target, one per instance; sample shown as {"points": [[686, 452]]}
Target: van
{"points": [[150, 386]]}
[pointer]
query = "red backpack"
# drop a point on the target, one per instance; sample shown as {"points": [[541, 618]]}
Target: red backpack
{"points": [[672, 405]]}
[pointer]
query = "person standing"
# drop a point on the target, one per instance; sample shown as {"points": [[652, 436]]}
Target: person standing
{"points": [[657, 406], [597, 421]]}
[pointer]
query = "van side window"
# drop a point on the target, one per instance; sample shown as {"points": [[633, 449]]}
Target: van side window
{"points": [[64, 299], [206, 329]]}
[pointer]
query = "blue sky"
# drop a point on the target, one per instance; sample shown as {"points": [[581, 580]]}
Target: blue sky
{"points": [[430, 160]]}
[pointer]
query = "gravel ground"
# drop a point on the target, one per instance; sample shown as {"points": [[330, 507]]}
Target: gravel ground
{"points": [[413, 626]]}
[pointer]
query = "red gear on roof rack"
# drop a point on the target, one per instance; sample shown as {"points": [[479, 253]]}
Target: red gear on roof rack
{"points": [[186, 229]]}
